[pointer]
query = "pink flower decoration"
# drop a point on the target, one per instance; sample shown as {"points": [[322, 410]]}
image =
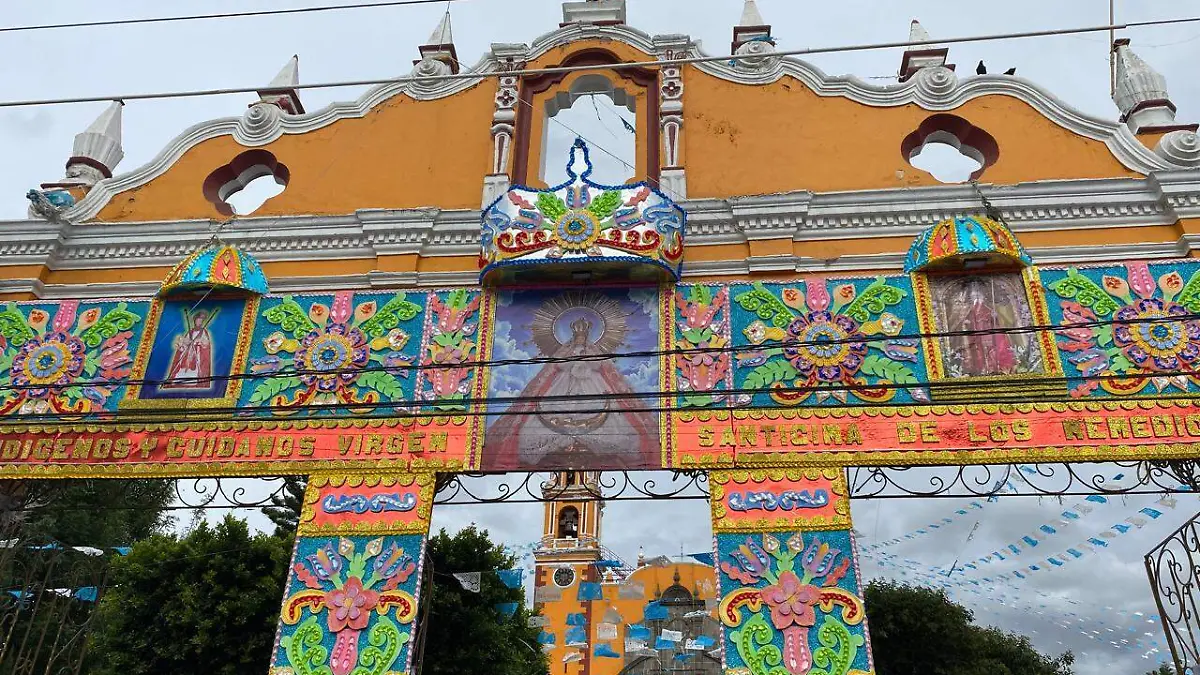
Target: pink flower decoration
{"points": [[791, 602], [350, 606], [1140, 280], [818, 296]]}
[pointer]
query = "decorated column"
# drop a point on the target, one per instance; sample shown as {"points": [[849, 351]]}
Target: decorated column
{"points": [[350, 605], [791, 596]]}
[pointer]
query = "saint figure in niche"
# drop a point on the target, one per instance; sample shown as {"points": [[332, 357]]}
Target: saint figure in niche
{"points": [[578, 410], [983, 309], [191, 365]]}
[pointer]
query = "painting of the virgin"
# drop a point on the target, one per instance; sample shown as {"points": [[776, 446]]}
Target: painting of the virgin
{"points": [[193, 351], [567, 396]]}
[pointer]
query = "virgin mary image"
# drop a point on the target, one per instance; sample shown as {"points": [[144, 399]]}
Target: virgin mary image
{"points": [[191, 367], [579, 410]]}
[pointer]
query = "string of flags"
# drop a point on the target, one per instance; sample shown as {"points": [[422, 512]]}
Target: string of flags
{"points": [[55, 546], [1114, 635], [1092, 544]]}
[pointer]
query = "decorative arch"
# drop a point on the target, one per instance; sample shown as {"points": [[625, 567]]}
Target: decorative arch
{"points": [[615, 82]]}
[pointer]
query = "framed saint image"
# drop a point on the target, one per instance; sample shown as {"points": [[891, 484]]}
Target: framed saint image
{"points": [[570, 366], [197, 346]]}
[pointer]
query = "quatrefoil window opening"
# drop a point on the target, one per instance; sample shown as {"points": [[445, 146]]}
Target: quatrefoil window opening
{"points": [[247, 182]]}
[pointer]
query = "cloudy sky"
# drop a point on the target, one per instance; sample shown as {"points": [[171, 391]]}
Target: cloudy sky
{"points": [[383, 42]]}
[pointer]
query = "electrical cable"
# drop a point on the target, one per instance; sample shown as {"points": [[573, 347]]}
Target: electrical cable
{"points": [[594, 67], [217, 15], [609, 356]]}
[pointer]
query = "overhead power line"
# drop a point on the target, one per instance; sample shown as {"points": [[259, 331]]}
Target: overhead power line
{"points": [[787, 343], [218, 15], [612, 66]]}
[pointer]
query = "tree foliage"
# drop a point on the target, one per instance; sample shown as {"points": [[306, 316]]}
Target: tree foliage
{"points": [[465, 634], [203, 604], [919, 631], [286, 505]]}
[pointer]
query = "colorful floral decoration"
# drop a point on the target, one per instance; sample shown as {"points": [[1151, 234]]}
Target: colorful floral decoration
{"points": [[630, 227], [812, 343], [977, 237], [1118, 328], [790, 604], [356, 350], [450, 348], [71, 363], [350, 605], [704, 357], [216, 266]]}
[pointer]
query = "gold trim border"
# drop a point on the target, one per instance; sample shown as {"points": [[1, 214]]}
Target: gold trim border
{"points": [[718, 480], [317, 482]]}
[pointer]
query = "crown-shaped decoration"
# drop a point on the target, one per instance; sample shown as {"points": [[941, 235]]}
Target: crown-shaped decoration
{"points": [[969, 241], [216, 266], [582, 230]]}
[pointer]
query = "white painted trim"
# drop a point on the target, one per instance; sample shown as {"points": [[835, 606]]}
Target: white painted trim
{"points": [[934, 89], [801, 216]]}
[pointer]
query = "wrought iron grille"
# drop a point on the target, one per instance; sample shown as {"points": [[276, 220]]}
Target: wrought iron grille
{"points": [[1174, 570]]}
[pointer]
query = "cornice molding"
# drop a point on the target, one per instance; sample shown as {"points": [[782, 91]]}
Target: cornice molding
{"points": [[1162, 199], [934, 89]]}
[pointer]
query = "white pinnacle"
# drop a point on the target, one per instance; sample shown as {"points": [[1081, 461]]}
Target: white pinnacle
{"points": [[1136, 81], [442, 35], [917, 32], [289, 76], [751, 15], [100, 143], [109, 122]]}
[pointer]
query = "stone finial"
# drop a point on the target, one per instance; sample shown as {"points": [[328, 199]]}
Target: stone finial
{"points": [[1141, 92], [281, 91], [598, 12], [924, 56], [751, 27], [96, 151], [438, 48]]}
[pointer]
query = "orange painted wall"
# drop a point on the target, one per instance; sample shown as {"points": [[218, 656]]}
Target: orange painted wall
{"points": [[760, 139], [700, 579], [403, 154]]}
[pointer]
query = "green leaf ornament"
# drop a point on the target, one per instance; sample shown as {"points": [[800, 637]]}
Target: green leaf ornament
{"points": [[838, 648], [769, 373], [887, 369], [765, 305], [304, 650], [390, 315], [114, 321], [753, 644], [603, 206], [873, 299], [697, 400], [1189, 297], [700, 294], [272, 387], [289, 316], [382, 382], [551, 206], [1086, 292], [386, 641], [13, 326]]}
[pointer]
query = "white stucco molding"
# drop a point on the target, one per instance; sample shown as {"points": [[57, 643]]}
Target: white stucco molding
{"points": [[933, 89], [1161, 199]]}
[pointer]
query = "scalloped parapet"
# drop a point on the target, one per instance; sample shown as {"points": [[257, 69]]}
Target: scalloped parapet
{"points": [[581, 230], [221, 267], [981, 240]]}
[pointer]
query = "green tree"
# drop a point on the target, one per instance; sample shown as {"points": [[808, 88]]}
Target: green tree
{"points": [[1164, 669], [465, 634], [285, 506], [204, 604], [46, 631], [919, 631]]}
